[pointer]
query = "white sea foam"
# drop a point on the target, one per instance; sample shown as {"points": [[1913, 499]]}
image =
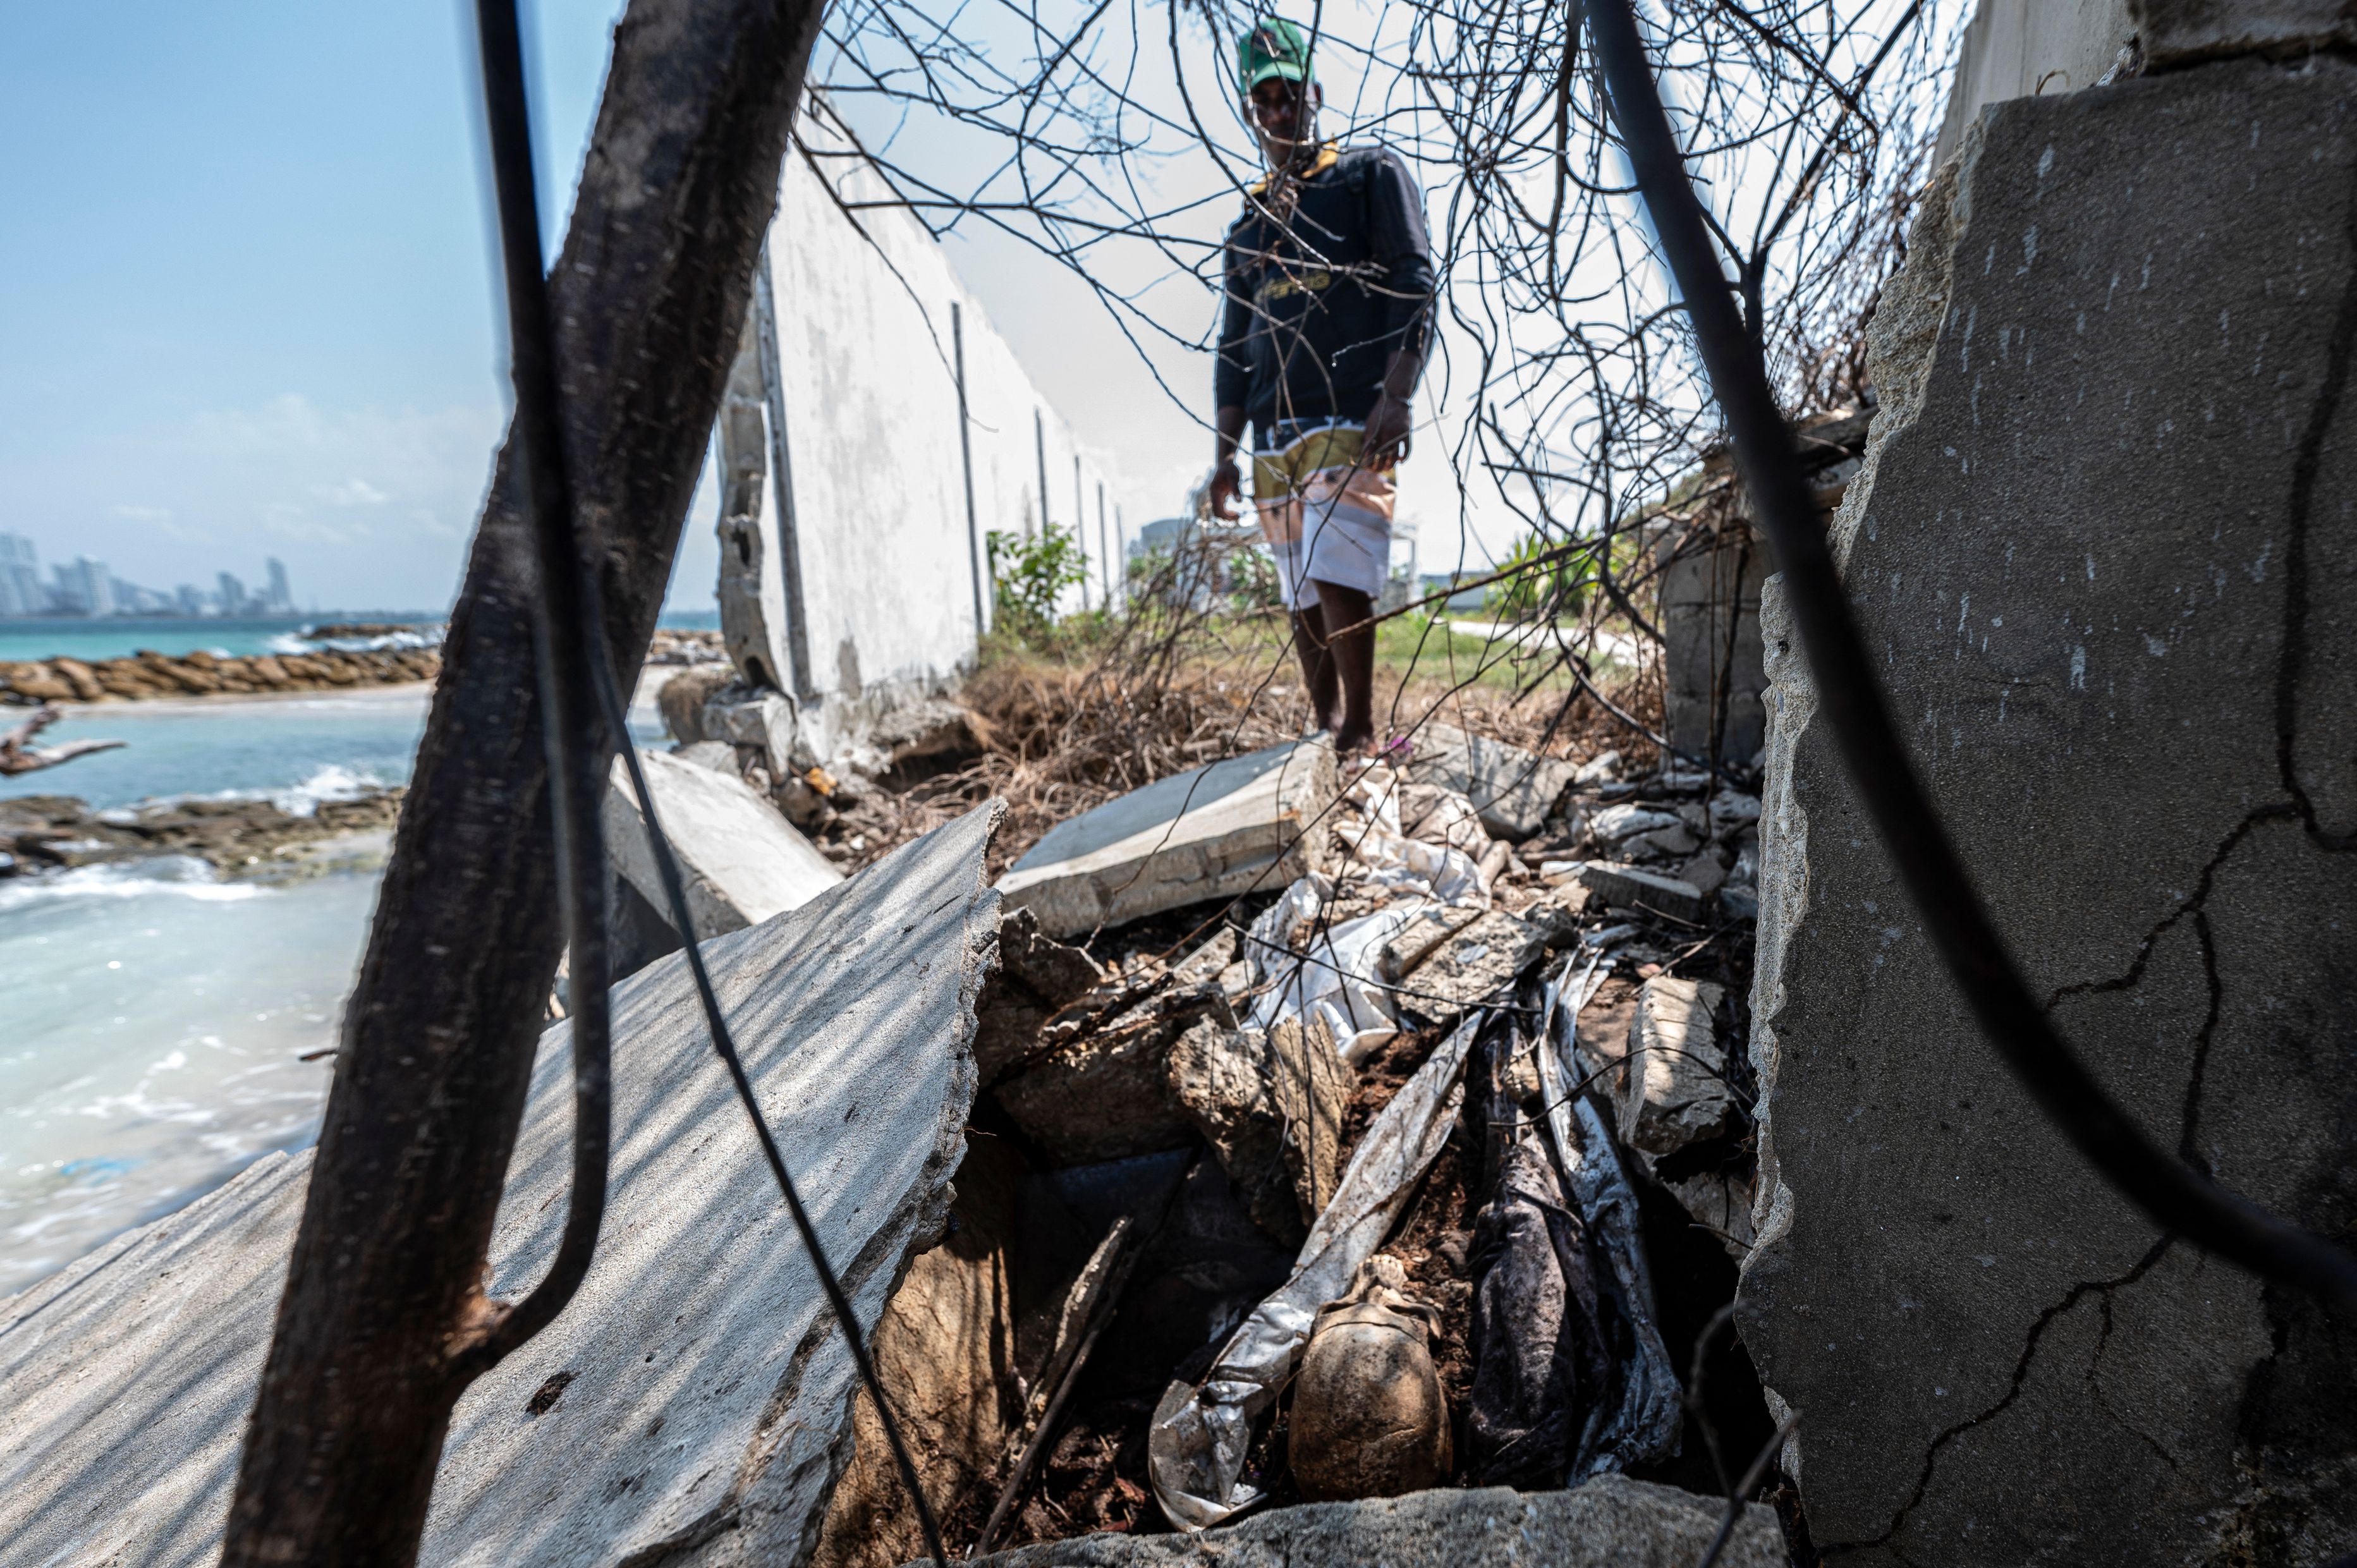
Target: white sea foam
{"points": [[413, 638], [331, 781], [171, 875]]}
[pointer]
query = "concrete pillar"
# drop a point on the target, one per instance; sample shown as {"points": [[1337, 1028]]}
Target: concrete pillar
{"points": [[1710, 570], [2104, 553], [756, 608]]}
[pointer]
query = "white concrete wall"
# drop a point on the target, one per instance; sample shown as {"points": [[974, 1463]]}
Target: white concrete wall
{"points": [[861, 301], [2027, 48]]}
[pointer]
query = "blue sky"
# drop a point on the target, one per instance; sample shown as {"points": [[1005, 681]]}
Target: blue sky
{"points": [[248, 301]]}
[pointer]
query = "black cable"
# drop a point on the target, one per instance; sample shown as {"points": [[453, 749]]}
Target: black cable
{"points": [[2171, 1193], [565, 627], [570, 572]]}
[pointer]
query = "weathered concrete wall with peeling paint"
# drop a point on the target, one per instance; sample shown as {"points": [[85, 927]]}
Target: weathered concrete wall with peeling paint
{"points": [[2106, 552], [850, 576]]}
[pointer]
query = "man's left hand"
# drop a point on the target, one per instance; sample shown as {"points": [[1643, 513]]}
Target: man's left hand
{"points": [[1388, 423]]}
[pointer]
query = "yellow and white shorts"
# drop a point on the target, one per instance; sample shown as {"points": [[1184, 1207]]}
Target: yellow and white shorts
{"points": [[1326, 514]]}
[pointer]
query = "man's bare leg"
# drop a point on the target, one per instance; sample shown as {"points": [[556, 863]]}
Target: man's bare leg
{"points": [[1353, 658], [1318, 674]]}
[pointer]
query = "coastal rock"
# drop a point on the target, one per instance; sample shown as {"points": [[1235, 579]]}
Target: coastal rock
{"points": [[149, 675], [696, 1390], [242, 837]]}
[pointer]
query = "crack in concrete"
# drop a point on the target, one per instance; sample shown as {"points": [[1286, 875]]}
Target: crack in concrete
{"points": [[2300, 505], [2096, 1387], [2077, 1294]]}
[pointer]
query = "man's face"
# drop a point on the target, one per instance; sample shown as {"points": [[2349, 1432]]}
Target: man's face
{"points": [[1286, 115]]}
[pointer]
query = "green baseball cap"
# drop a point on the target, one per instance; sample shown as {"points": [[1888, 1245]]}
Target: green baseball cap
{"points": [[1274, 50]]}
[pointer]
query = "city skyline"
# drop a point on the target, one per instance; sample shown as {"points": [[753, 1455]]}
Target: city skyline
{"points": [[85, 588]]}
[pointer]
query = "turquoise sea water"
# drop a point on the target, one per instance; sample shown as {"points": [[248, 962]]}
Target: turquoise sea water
{"points": [[116, 636], [155, 1015], [113, 637]]}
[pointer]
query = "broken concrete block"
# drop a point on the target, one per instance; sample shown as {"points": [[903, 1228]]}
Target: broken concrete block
{"points": [[1731, 811], [1672, 1089], [1038, 977], [1471, 963], [2175, 33], [1708, 578], [921, 739], [719, 756], [1720, 1201], [1946, 1290], [1210, 832], [742, 862], [1608, 1522], [696, 1388], [1613, 824], [1703, 874], [1208, 962], [1271, 1106], [1633, 887], [1514, 790], [1100, 1092], [1369, 1417], [1676, 841]]}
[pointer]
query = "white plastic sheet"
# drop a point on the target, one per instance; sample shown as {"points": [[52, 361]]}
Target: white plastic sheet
{"points": [[1196, 1448], [1336, 979], [1405, 865]]}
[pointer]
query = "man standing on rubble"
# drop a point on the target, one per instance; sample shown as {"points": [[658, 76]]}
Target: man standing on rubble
{"points": [[1329, 286]]}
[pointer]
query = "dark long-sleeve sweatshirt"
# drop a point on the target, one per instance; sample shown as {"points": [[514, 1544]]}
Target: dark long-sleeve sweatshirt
{"points": [[1318, 305]]}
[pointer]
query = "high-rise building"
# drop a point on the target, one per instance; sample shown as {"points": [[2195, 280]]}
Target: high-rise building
{"points": [[282, 598], [21, 593], [233, 594], [85, 588], [190, 599]]}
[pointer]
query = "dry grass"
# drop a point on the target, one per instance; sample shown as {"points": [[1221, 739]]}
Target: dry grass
{"points": [[1062, 736]]}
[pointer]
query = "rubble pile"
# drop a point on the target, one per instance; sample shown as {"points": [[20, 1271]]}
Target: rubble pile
{"points": [[1332, 1118]]}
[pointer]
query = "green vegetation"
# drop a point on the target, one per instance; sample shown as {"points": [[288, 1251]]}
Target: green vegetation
{"points": [[1026, 577]]}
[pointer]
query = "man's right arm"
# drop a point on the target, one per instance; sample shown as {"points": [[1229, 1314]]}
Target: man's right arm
{"points": [[1227, 478]]}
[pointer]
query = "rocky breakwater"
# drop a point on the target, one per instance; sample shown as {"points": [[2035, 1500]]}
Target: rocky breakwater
{"points": [[147, 674], [251, 838]]}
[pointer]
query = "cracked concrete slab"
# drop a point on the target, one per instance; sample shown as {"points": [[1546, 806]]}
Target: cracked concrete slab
{"points": [[1246, 823], [2104, 551], [1608, 1522], [692, 1402], [742, 862]]}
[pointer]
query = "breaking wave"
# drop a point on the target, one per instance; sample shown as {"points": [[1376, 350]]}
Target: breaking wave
{"points": [[380, 642], [176, 875], [331, 781]]}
